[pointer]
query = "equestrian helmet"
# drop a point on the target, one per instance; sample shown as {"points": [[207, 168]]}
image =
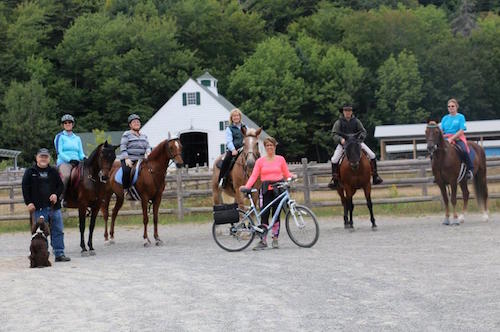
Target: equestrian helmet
{"points": [[346, 107], [67, 117], [132, 117]]}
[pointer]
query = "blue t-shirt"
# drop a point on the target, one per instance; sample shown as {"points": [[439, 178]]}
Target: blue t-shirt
{"points": [[452, 124], [68, 147]]}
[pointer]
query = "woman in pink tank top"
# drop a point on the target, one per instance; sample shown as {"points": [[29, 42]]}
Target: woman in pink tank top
{"points": [[269, 168]]}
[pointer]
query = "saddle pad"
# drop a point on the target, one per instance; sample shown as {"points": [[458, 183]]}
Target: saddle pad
{"points": [[119, 174]]}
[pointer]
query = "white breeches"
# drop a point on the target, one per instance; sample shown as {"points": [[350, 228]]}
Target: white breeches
{"points": [[340, 149]]}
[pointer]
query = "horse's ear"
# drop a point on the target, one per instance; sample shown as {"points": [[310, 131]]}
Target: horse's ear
{"points": [[169, 136], [106, 143], [258, 131], [244, 130]]}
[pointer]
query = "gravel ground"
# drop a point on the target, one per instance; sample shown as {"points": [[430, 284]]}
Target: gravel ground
{"points": [[411, 274]]}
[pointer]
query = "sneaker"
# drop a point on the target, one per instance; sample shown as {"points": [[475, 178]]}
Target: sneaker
{"points": [[260, 246], [446, 221], [62, 259], [275, 244]]}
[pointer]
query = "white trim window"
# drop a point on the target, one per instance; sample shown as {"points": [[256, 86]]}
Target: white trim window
{"points": [[191, 98]]}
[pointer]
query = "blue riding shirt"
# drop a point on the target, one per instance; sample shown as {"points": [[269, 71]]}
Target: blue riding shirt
{"points": [[452, 124], [68, 147]]}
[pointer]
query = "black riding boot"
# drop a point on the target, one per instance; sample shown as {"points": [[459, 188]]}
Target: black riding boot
{"points": [[226, 163], [470, 166], [334, 182], [376, 179]]}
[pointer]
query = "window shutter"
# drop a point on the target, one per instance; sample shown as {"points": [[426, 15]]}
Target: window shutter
{"points": [[197, 98], [221, 125], [184, 99], [222, 148]]}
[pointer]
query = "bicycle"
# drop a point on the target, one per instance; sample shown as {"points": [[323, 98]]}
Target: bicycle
{"points": [[301, 224]]}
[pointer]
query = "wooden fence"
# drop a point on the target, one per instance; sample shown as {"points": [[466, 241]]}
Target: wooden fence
{"points": [[313, 177]]}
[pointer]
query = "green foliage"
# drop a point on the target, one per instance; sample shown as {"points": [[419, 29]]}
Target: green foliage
{"points": [[399, 92], [28, 122], [100, 137]]}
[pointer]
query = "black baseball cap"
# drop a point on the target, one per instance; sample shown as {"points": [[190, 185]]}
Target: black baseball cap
{"points": [[43, 152]]}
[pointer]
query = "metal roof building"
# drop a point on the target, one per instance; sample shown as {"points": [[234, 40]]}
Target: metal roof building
{"points": [[410, 138]]}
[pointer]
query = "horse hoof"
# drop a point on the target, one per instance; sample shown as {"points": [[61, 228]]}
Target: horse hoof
{"points": [[485, 217], [159, 243], [112, 241], [374, 227], [92, 253], [147, 243], [461, 218], [85, 253]]}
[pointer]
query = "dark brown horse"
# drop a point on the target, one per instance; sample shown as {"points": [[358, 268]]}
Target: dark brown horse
{"points": [[446, 166], [89, 191], [241, 171], [355, 173], [150, 185]]}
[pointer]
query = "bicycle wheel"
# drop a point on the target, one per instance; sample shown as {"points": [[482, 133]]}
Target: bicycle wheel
{"points": [[302, 226], [234, 237]]}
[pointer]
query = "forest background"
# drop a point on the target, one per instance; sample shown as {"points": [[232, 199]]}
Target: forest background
{"points": [[288, 64]]}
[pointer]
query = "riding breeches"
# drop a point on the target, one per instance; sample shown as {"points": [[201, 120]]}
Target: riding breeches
{"points": [[340, 149], [65, 172]]}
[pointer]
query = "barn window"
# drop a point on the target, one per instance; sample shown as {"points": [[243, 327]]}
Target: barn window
{"points": [[223, 125], [205, 82], [191, 98]]}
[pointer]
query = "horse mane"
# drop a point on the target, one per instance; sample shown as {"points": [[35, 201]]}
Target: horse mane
{"points": [[91, 159], [156, 152]]}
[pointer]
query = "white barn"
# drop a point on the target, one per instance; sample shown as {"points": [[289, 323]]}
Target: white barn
{"points": [[198, 114]]}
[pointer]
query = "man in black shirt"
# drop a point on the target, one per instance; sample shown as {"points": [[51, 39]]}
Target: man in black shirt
{"points": [[42, 187]]}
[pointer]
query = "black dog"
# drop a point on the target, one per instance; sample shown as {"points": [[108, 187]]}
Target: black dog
{"points": [[39, 250]]}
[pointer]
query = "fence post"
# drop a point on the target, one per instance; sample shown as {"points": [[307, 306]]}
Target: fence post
{"points": [[307, 189], [11, 196], [422, 173], [180, 207]]}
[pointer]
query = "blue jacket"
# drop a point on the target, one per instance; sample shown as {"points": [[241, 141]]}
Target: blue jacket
{"points": [[68, 147]]}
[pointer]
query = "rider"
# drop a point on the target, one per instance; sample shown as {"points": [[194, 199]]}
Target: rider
{"points": [[69, 150], [234, 141], [349, 124], [453, 126], [134, 146], [270, 168]]}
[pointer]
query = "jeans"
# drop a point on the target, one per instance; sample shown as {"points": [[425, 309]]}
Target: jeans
{"points": [[54, 217], [468, 161]]}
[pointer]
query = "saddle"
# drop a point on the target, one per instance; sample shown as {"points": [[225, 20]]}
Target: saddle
{"points": [[232, 162], [75, 176], [134, 174]]}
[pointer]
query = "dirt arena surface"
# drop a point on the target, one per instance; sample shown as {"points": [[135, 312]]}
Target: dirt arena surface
{"points": [[412, 274]]}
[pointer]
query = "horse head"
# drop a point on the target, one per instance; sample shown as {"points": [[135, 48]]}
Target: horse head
{"points": [[433, 136], [250, 148], [174, 147], [352, 150], [101, 160]]}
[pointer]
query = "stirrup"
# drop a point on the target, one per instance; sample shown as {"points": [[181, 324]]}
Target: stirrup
{"points": [[333, 184], [377, 179]]}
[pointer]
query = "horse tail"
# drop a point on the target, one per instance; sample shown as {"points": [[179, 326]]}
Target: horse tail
{"points": [[480, 182]]}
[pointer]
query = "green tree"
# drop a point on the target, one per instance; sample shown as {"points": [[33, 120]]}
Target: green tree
{"points": [[400, 91], [29, 119], [269, 91]]}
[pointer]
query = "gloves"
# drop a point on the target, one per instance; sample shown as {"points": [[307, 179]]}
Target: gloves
{"points": [[129, 163], [74, 163], [146, 154]]}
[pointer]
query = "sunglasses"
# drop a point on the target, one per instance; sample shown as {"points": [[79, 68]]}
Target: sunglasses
{"points": [[66, 122], [451, 106]]}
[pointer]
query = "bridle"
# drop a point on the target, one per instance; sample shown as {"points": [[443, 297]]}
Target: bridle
{"points": [[433, 148]]}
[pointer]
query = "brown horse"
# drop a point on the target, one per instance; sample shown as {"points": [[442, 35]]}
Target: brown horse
{"points": [[355, 173], [241, 171], [150, 185], [446, 165], [89, 191]]}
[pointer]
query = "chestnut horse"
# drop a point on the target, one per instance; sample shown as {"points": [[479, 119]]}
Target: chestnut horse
{"points": [[241, 171], [150, 185], [90, 189], [355, 173], [446, 164]]}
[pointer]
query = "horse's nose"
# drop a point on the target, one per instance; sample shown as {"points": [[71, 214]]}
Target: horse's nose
{"points": [[179, 165], [355, 165], [250, 163], [105, 177]]}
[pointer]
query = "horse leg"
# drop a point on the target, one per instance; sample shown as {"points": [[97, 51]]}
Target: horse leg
{"points": [[454, 203], [344, 204], [368, 197], [145, 220], [105, 216], [465, 194], [81, 219], [116, 208], [444, 195], [351, 209], [156, 208], [93, 216]]}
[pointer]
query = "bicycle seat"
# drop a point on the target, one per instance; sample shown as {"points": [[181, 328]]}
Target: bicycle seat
{"points": [[248, 190]]}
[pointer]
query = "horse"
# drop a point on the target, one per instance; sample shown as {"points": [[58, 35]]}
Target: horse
{"points": [[355, 173], [150, 185], [241, 171], [446, 166], [88, 192]]}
